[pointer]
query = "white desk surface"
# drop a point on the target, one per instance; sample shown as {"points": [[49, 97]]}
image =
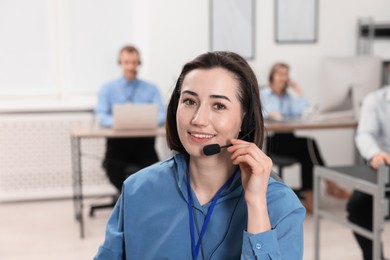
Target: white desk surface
{"points": [[96, 131], [310, 124], [274, 126]]}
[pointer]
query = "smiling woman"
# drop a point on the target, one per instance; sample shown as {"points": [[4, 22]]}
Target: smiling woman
{"points": [[224, 206]]}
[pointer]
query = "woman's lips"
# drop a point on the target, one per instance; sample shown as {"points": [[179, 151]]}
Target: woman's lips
{"points": [[200, 137]]}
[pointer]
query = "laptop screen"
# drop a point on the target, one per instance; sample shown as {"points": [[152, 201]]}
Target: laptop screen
{"points": [[134, 116]]}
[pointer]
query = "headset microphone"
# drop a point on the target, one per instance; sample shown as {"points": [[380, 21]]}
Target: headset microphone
{"points": [[212, 149]]}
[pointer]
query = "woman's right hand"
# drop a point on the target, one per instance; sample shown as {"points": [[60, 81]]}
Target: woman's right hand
{"points": [[295, 87], [255, 168]]}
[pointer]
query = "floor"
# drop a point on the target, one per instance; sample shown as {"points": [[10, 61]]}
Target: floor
{"points": [[47, 230]]}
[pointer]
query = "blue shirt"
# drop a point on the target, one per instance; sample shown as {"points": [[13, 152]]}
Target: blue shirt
{"points": [[123, 91], [286, 105], [373, 133], [151, 220]]}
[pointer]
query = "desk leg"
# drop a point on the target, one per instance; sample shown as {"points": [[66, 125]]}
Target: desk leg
{"points": [[378, 214], [317, 193], [77, 182], [376, 229]]}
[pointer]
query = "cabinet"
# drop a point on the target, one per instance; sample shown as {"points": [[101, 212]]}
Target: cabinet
{"points": [[373, 38]]}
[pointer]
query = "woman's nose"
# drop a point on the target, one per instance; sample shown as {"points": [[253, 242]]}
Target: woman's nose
{"points": [[201, 117]]}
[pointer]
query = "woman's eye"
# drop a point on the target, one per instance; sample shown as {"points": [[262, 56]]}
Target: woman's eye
{"points": [[219, 106], [188, 102]]}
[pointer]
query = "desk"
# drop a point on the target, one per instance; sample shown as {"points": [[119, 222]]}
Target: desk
{"points": [[291, 125], [364, 179], [310, 124], [79, 133]]}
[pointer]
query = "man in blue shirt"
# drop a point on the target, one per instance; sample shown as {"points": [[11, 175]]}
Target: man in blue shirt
{"points": [[124, 156]]}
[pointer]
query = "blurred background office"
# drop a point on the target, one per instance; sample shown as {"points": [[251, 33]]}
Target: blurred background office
{"points": [[56, 54]]}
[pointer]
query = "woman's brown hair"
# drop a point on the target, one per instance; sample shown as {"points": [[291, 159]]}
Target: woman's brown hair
{"points": [[275, 68]]}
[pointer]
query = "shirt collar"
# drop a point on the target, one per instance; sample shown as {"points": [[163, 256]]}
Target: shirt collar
{"points": [[181, 160], [273, 94], [126, 82]]}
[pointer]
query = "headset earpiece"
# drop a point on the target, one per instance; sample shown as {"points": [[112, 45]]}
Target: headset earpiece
{"points": [[248, 123], [247, 126]]}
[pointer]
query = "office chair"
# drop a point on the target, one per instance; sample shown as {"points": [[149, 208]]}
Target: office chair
{"points": [[93, 208], [281, 161]]}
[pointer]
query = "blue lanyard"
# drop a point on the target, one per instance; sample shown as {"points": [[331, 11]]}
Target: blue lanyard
{"points": [[195, 249]]}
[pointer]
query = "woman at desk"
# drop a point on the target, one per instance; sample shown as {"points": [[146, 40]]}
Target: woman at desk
{"points": [[218, 206], [284, 99]]}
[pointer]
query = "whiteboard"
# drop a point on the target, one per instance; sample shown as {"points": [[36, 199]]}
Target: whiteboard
{"points": [[25, 50], [58, 48], [296, 21], [233, 26]]}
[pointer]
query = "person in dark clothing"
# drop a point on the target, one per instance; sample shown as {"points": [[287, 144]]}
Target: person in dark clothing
{"points": [[125, 156], [303, 149]]}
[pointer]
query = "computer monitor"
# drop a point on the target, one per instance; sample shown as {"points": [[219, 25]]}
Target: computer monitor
{"points": [[345, 81]]}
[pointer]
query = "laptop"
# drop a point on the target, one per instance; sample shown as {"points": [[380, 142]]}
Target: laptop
{"points": [[131, 116]]}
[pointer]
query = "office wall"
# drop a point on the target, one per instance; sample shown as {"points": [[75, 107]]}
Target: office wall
{"points": [[179, 30], [70, 47]]}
